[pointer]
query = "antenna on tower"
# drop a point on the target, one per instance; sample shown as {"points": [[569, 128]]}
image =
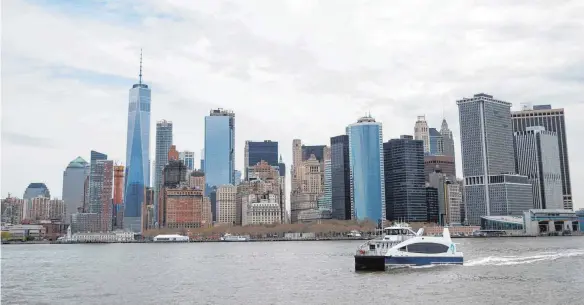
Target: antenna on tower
{"points": [[140, 79]]}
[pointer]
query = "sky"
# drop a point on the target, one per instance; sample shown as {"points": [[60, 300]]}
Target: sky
{"points": [[288, 69]]}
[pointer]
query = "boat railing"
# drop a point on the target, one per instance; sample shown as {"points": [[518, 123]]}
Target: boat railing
{"points": [[377, 247]]}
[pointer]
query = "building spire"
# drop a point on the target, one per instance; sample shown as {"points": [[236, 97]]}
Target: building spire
{"points": [[140, 76]]}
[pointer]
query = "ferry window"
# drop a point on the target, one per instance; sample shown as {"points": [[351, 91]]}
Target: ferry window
{"points": [[427, 248], [403, 249]]}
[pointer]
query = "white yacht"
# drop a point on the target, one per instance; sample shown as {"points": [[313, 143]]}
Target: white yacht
{"points": [[400, 246], [229, 237]]}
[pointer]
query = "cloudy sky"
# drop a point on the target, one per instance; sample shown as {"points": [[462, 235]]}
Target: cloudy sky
{"points": [[289, 69]]}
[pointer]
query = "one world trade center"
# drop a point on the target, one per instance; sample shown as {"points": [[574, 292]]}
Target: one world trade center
{"points": [[137, 153]]}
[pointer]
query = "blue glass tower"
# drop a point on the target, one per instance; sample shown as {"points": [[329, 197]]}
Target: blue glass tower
{"points": [[219, 148], [137, 153], [436, 142], [366, 170]]}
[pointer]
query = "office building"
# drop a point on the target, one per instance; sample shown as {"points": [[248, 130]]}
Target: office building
{"points": [[173, 155], [538, 158], [552, 120], [197, 180], [443, 164], [327, 190], [186, 208], [367, 170], [202, 160], [137, 174], [422, 133], [227, 204], [148, 220], [173, 177], [237, 177], [436, 143], [73, 186], [449, 196], [164, 138], [447, 139], [491, 186], [85, 222], [309, 186], [432, 209], [255, 152], [405, 188], [101, 189], [95, 182], [188, 158], [118, 199], [36, 189], [219, 148], [340, 178]]}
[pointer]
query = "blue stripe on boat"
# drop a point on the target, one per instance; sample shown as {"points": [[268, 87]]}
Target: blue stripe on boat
{"points": [[419, 261]]}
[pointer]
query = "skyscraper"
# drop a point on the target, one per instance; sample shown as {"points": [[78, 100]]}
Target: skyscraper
{"points": [[367, 172], [219, 148], [36, 189], [538, 158], [188, 158], [137, 153], [73, 186], [436, 143], [101, 188], [163, 143], [95, 182], [488, 160], [118, 200], [255, 152], [552, 120], [422, 132], [405, 188], [340, 178], [447, 139]]}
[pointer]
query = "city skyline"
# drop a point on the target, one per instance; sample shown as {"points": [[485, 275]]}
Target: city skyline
{"points": [[99, 81]]}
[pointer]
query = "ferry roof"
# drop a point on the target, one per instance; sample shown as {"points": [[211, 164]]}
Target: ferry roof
{"points": [[168, 236]]}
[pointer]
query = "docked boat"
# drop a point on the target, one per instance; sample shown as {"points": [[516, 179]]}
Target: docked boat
{"points": [[229, 237], [401, 246], [170, 238]]}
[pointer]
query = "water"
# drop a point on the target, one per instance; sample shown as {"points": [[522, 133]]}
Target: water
{"points": [[496, 271]]}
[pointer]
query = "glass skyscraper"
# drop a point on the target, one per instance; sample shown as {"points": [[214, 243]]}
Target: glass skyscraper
{"points": [[340, 178], [73, 186], [137, 153], [436, 143], [219, 148], [405, 185], [366, 168], [260, 151]]}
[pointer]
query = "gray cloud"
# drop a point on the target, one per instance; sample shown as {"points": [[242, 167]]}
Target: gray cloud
{"points": [[27, 140]]}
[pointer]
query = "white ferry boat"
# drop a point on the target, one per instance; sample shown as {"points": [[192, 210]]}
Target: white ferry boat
{"points": [[170, 238], [229, 237], [400, 246]]}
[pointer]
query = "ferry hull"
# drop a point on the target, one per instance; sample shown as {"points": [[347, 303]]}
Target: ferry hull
{"points": [[422, 261], [369, 263]]}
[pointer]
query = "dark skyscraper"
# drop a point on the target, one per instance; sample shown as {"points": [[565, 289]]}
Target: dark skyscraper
{"points": [[35, 190], [341, 178], [260, 151], [552, 120], [316, 150], [405, 188]]}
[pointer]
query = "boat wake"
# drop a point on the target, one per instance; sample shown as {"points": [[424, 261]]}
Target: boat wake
{"points": [[519, 260]]}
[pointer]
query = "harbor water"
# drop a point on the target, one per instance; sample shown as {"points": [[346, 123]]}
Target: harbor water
{"points": [[544, 270]]}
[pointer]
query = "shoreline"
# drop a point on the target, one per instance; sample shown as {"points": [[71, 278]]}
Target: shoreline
{"points": [[47, 242]]}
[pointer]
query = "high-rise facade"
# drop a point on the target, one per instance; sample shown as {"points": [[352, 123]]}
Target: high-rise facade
{"points": [[447, 139], [188, 158], [163, 143], [137, 153], [255, 152], [366, 168], [422, 132], [538, 158], [443, 164], [488, 160], [118, 199], [101, 189], [95, 181], [227, 204], [340, 178], [307, 179], [73, 186], [552, 120], [219, 148], [436, 142], [405, 189], [36, 189]]}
